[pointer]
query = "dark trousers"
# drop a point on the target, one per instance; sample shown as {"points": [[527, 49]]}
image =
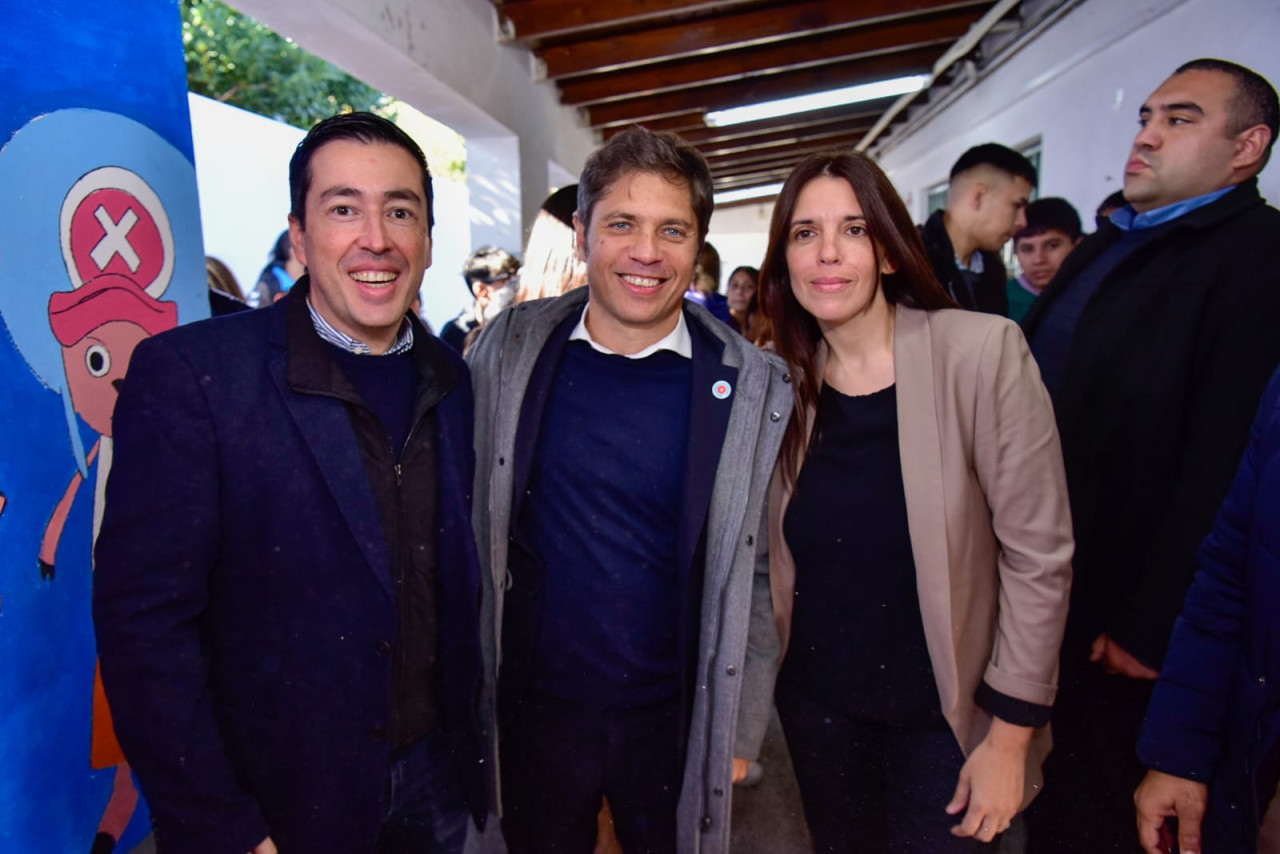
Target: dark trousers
{"points": [[1089, 778], [426, 811], [870, 787], [560, 758]]}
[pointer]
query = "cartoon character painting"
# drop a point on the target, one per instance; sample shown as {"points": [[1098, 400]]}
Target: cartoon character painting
{"points": [[119, 255], [85, 274]]}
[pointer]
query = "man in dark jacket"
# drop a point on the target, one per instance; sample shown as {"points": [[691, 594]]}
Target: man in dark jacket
{"points": [[986, 203], [286, 591], [1155, 341], [1210, 738]]}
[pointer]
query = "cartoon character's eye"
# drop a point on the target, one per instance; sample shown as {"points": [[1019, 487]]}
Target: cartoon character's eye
{"points": [[98, 360]]}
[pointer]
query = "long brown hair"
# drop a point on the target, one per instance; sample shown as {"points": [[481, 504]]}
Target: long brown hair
{"points": [[795, 332]]}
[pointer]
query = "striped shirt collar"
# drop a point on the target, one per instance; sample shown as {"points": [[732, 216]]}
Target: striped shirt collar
{"points": [[343, 341]]}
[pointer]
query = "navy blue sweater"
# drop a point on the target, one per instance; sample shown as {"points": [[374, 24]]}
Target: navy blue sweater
{"points": [[602, 516]]}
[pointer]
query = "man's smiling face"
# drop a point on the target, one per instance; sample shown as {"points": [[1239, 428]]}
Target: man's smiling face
{"points": [[366, 243], [640, 248]]}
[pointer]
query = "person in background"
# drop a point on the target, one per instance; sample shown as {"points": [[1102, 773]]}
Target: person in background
{"points": [[551, 264], [705, 287], [282, 270], [919, 534], [744, 305], [225, 296], [1108, 206], [1211, 737], [490, 274], [1051, 232], [988, 194], [1155, 340]]}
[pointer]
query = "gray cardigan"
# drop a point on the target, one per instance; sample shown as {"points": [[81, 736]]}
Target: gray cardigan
{"points": [[738, 647]]}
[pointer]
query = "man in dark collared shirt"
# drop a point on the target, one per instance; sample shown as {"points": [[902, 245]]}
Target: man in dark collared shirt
{"points": [[287, 588], [1155, 340], [987, 198]]}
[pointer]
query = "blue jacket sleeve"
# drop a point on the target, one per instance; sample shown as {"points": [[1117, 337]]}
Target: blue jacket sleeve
{"points": [[154, 558], [1183, 733]]}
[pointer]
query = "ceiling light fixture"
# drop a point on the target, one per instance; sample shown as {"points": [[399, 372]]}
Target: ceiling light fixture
{"points": [[817, 101], [743, 193]]}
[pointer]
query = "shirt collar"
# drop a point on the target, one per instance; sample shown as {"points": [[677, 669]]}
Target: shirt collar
{"points": [[343, 341], [677, 340], [976, 265], [1127, 219]]}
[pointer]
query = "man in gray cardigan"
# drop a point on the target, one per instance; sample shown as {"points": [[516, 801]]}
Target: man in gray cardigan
{"points": [[625, 439]]}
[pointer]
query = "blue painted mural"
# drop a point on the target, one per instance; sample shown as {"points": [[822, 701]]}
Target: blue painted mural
{"points": [[99, 247]]}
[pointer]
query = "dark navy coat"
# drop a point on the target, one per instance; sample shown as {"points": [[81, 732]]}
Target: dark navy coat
{"points": [[243, 597], [1215, 713]]}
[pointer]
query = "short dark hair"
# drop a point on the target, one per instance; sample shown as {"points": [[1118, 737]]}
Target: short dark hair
{"points": [[1051, 214], [281, 250], [639, 149], [1254, 103], [1113, 202], [562, 203], [999, 157], [489, 263], [361, 127]]}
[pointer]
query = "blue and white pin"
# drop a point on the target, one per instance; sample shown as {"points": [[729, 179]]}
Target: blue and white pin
{"points": [[721, 389]]}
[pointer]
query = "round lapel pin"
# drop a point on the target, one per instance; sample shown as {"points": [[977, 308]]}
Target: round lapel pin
{"points": [[721, 389]]}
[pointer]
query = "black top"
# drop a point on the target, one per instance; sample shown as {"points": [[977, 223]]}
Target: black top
{"points": [[394, 427], [602, 517], [1051, 341], [857, 638], [983, 291], [1158, 391]]}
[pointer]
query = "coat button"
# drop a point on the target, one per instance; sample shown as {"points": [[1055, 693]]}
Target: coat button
{"points": [[1262, 680], [382, 648], [706, 822], [719, 792], [751, 540], [786, 378], [732, 670], [378, 733], [775, 416]]}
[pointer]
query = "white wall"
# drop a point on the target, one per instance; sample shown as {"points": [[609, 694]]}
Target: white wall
{"points": [[442, 56], [1079, 86], [740, 234], [242, 174]]}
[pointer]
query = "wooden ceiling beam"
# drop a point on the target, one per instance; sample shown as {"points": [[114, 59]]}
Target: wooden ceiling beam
{"points": [[735, 29], [549, 18], [795, 123], [791, 54], [752, 90], [751, 179], [777, 139], [679, 123], [781, 156]]}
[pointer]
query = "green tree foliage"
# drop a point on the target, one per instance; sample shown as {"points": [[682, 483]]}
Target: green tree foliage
{"points": [[234, 59]]}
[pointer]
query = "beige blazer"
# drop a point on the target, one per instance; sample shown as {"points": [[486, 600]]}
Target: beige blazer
{"points": [[987, 512]]}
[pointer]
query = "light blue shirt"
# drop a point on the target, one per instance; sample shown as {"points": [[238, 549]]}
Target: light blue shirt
{"points": [[343, 341], [1127, 219]]}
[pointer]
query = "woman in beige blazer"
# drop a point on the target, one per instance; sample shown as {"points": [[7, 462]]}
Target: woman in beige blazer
{"points": [[919, 530]]}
